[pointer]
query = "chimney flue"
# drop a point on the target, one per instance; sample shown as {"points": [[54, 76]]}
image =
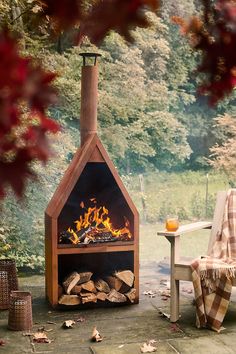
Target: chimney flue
{"points": [[89, 96]]}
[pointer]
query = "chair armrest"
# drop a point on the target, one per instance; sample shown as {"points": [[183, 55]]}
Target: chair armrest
{"points": [[183, 229]]}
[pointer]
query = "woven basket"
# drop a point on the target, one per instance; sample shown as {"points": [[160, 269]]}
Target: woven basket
{"points": [[4, 290], [20, 311], [8, 281]]}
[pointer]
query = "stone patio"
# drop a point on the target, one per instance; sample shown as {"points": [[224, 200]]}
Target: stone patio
{"points": [[124, 328]]}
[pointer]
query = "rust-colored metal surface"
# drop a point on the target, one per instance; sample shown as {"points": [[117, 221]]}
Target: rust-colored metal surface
{"points": [[91, 175]]}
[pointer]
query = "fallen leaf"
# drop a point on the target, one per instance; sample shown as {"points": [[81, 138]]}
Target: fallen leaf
{"points": [[41, 329], [68, 324], [174, 327], [80, 319], [2, 342], [96, 336], [41, 337], [150, 293], [147, 348], [152, 341], [164, 314], [25, 334]]}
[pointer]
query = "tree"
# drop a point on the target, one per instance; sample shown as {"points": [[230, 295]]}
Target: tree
{"points": [[223, 154]]}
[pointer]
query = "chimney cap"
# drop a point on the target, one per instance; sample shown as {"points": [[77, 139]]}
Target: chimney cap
{"points": [[89, 55]]}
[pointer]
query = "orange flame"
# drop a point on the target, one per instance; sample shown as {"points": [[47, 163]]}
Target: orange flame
{"points": [[98, 222]]}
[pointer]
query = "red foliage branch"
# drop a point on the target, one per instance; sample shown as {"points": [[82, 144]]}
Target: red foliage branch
{"points": [[101, 17], [215, 36], [118, 15], [25, 94]]}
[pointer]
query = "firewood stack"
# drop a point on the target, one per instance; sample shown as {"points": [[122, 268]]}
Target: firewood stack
{"points": [[79, 288]]}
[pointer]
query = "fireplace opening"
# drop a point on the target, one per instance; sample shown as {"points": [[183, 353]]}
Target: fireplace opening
{"points": [[96, 210]]}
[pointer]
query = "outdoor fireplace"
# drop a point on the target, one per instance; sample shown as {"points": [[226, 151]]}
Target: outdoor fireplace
{"points": [[91, 223]]}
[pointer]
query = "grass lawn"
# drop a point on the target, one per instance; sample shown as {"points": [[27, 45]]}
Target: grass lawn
{"points": [[155, 248]]}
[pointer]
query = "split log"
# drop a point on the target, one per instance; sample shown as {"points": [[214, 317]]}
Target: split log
{"points": [[131, 295], [76, 290], [114, 283], [115, 296], [89, 286], [126, 276], [101, 296], [124, 288], [88, 297], [70, 281], [84, 277], [69, 300], [102, 286]]}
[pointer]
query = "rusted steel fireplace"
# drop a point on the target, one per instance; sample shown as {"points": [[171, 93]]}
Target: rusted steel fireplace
{"points": [[91, 223]]}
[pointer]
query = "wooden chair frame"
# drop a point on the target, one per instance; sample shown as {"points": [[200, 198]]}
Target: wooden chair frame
{"points": [[180, 268]]}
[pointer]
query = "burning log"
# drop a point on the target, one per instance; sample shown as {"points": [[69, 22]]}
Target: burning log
{"points": [[101, 296], [131, 295], [115, 296], [126, 276], [71, 281], [89, 286], [88, 297], [95, 226], [102, 286], [69, 300]]}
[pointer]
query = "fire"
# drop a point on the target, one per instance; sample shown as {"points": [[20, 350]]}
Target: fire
{"points": [[95, 226]]}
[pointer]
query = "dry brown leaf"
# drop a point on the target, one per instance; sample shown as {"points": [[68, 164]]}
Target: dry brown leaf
{"points": [[68, 324], [174, 327], [147, 348], [96, 336], [80, 319], [41, 337]]}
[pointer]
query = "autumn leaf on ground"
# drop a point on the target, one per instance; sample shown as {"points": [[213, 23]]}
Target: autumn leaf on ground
{"points": [[41, 337], [80, 319], [68, 324], [96, 336], [148, 347], [174, 327]]}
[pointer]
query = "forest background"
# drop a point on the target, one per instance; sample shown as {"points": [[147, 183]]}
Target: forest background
{"points": [[162, 137]]}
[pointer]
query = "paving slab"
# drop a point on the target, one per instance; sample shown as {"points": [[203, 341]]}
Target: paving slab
{"points": [[124, 328], [217, 344], [134, 348]]}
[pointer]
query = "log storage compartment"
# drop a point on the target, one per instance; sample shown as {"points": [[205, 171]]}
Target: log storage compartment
{"points": [[91, 223]]}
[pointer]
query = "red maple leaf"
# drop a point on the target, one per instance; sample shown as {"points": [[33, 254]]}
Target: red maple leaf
{"points": [[215, 36], [65, 13], [119, 15], [26, 91]]}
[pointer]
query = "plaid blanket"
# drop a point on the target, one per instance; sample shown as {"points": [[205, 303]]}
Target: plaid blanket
{"points": [[212, 276]]}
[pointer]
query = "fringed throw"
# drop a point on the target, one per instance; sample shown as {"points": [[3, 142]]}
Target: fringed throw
{"points": [[212, 276]]}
